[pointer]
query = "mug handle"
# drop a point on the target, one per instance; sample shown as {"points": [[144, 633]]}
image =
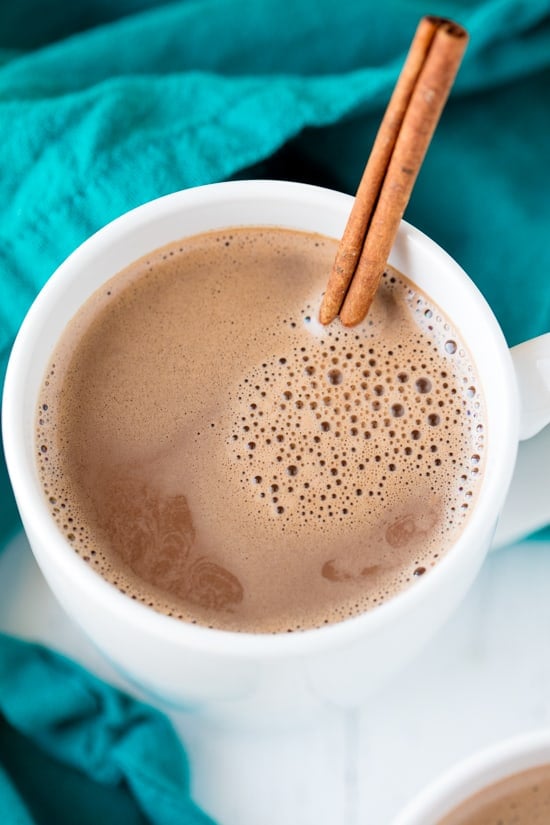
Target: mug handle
{"points": [[527, 506]]}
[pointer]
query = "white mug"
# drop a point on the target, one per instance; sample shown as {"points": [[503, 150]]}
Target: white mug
{"points": [[471, 776], [242, 675]]}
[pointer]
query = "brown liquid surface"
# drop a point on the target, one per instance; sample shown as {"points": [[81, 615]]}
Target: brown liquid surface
{"points": [[215, 453], [521, 799]]}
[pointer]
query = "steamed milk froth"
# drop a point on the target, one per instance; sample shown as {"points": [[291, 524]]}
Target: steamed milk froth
{"points": [[217, 454]]}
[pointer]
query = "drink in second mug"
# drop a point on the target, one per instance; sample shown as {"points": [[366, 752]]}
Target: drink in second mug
{"points": [[245, 509], [521, 798], [507, 784]]}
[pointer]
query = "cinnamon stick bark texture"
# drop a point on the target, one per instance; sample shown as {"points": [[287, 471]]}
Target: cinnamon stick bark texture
{"points": [[391, 171]]}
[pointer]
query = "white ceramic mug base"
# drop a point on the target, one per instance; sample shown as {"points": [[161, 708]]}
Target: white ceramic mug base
{"points": [[243, 675]]}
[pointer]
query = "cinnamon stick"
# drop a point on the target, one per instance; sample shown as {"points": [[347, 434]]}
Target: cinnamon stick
{"points": [[398, 152], [366, 197]]}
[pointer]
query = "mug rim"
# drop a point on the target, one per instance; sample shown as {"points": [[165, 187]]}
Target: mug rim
{"points": [[197, 637], [474, 773]]}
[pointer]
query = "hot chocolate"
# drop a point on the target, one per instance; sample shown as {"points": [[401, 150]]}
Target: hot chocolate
{"points": [[521, 799], [215, 453]]}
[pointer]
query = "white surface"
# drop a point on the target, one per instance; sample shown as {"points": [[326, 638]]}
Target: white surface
{"points": [[485, 676]]}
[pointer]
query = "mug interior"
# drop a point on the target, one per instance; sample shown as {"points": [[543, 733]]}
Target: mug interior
{"points": [[269, 203]]}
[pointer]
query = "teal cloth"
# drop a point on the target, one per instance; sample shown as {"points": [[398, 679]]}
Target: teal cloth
{"points": [[106, 105], [75, 750]]}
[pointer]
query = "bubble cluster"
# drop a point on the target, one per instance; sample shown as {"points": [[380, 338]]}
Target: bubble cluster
{"points": [[342, 416]]}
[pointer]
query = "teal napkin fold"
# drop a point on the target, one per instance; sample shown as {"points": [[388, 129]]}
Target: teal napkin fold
{"points": [[74, 749], [105, 106]]}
